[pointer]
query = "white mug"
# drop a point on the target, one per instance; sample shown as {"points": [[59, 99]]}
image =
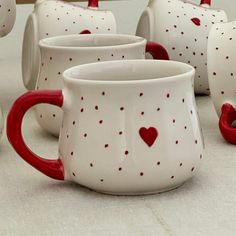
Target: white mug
{"points": [[62, 52], [129, 127], [222, 76], [7, 16], [183, 29], [52, 18]]}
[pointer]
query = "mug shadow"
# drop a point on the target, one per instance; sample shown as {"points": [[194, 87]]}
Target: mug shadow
{"points": [[76, 189]]}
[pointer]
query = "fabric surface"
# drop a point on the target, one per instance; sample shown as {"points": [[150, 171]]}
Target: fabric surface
{"points": [[32, 204]]}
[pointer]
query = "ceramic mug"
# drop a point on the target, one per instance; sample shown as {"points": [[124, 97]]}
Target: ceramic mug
{"points": [[52, 18], [129, 127], [7, 16], [183, 29], [222, 75], [62, 52]]}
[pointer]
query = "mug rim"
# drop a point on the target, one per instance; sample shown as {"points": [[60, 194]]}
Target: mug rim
{"points": [[69, 75], [48, 42]]}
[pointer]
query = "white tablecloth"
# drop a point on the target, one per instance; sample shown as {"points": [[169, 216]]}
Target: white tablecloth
{"points": [[32, 204]]}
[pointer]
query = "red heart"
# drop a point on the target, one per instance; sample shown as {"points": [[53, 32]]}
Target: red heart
{"points": [[149, 135], [196, 21]]}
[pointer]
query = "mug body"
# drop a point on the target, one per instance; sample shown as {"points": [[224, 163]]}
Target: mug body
{"points": [[130, 127], [221, 64], [53, 18], [61, 53], [183, 28], [8, 16]]}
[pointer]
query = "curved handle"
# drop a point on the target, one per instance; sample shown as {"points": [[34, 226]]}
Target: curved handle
{"points": [[93, 3], [157, 51], [228, 116], [205, 2], [51, 168]]}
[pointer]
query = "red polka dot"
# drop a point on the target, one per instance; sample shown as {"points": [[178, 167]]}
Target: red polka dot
{"points": [[122, 108], [158, 163], [222, 92], [176, 142], [158, 109], [142, 113], [101, 121], [126, 152], [82, 110], [106, 145], [120, 133], [96, 107], [141, 94], [141, 174], [167, 95], [120, 169]]}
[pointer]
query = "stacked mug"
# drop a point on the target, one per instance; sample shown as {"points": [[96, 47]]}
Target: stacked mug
{"points": [[126, 125]]}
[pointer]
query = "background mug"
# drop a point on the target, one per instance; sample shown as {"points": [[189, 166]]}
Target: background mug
{"points": [[52, 18], [222, 75], [129, 127], [183, 29], [7, 16], [62, 52]]}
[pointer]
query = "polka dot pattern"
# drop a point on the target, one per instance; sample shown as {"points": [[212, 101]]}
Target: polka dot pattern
{"points": [[221, 64], [56, 18], [115, 151], [174, 21], [8, 15], [50, 117]]}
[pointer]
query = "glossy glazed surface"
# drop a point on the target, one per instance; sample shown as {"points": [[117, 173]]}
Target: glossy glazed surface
{"points": [[130, 137], [222, 73], [183, 29], [61, 53], [53, 18]]}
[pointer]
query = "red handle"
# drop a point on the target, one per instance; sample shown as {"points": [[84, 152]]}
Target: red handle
{"points": [[228, 116], [207, 2], [93, 3], [157, 51], [51, 168]]}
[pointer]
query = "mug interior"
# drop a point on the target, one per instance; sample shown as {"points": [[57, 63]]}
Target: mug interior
{"points": [[91, 41], [128, 71]]}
